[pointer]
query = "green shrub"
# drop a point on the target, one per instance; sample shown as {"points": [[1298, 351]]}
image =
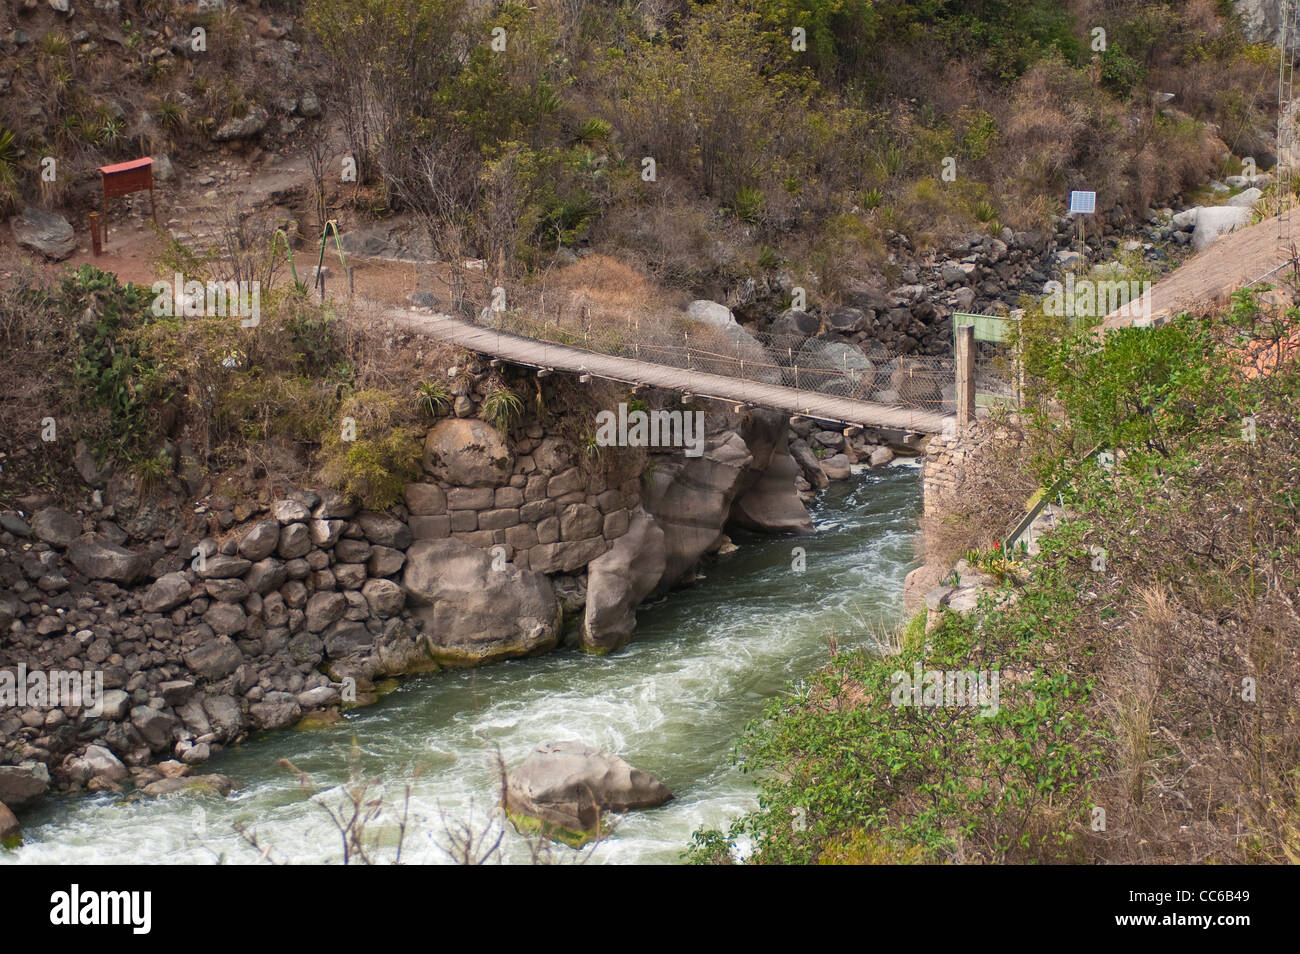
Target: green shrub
{"points": [[748, 204], [1120, 73], [382, 456], [594, 130], [116, 369]]}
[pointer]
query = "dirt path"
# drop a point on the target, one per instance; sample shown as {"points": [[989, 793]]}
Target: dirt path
{"points": [[1211, 277]]}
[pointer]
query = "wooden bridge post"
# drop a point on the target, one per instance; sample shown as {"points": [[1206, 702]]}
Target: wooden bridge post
{"points": [[965, 376]]}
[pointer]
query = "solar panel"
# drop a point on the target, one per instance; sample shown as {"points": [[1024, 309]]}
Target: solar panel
{"points": [[1083, 202]]}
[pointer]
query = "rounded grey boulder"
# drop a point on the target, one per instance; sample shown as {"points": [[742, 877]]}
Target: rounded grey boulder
{"points": [[567, 786], [476, 609]]}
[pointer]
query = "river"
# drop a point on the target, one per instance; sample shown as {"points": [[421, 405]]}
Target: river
{"points": [[674, 702]]}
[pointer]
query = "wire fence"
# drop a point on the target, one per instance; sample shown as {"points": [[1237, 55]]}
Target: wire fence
{"points": [[997, 375], [812, 364]]}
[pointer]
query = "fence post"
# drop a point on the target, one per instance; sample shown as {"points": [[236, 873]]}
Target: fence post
{"points": [[965, 376], [1020, 364]]}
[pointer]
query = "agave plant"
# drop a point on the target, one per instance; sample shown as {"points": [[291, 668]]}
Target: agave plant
{"points": [[502, 407], [434, 397]]}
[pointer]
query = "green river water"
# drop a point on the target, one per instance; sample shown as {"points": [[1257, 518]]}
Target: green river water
{"points": [[674, 702]]}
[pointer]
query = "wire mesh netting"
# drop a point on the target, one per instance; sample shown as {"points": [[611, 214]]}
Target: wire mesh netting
{"points": [[996, 375], [811, 364]]}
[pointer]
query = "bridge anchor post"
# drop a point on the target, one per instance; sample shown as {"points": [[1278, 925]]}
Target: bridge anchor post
{"points": [[965, 376]]}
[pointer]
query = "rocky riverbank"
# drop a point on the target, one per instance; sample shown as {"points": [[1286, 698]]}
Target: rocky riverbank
{"points": [[246, 611]]}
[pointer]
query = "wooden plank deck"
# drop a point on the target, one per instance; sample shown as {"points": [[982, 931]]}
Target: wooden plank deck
{"points": [[541, 354]]}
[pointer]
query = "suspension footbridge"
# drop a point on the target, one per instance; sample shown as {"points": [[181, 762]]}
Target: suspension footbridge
{"points": [[818, 390]]}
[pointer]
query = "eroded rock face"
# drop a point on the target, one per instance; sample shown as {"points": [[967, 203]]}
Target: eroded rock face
{"points": [[772, 505], [691, 497], [473, 613], [568, 786], [467, 452], [618, 581]]}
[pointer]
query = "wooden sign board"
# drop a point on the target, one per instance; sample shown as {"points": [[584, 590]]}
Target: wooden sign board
{"points": [[123, 178], [987, 327]]}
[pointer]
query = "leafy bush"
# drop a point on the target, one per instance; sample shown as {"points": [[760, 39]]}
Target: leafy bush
{"points": [[116, 369], [375, 454], [1120, 72]]}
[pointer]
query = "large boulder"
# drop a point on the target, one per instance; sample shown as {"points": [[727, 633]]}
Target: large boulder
{"points": [[225, 715], [846, 320], [44, 232], [567, 786], [808, 464], [1245, 199], [732, 343], [275, 710], [475, 614], [324, 608], [11, 834], [793, 323], [23, 784], [100, 560], [618, 580], [467, 452], [383, 530], [226, 618], [1214, 220], [384, 597], [260, 541], [916, 385], [214, 659], [711, 313], [96, 762], [836, 367], [223, 567], [919, 582], [56, 527], [168, 592], [247, 126]]}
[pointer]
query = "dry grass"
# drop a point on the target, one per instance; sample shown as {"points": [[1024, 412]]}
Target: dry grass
{"points": [[995, 484]]}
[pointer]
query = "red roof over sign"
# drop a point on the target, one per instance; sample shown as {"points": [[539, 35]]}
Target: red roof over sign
{"points": [[126, 166]]}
